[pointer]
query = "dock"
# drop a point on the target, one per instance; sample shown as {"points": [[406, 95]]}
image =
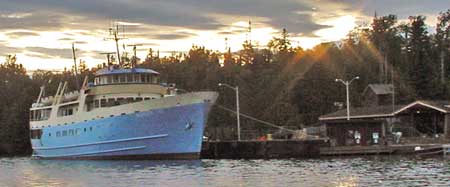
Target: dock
{"points": [[262, 149], [275, 149]]}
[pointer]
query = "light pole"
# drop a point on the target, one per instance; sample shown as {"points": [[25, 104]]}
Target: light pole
{"points": [[347, 84], [237, 107]]}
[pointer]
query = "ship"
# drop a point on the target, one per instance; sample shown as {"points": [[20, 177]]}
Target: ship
{"points": [[125, 113]]}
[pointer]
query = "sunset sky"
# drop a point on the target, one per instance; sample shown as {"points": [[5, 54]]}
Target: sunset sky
{"points": [[41, 32]]}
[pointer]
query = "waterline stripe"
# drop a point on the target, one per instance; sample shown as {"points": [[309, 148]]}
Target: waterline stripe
{"points": [[91, 153], [102, 142]]}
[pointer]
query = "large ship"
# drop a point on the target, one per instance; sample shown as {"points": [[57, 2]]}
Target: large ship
{"points": [[125, 113]]}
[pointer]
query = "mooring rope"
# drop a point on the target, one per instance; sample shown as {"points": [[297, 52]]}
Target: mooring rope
{"points": [[255, 119]]}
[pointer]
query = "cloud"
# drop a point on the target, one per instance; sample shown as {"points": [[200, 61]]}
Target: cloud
{"points": [[19, 34], [173, 36], [5, 50]]}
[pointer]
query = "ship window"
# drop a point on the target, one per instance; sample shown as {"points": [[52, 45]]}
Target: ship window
{"points": [[115, 79], [96, 102], [137, 78], [64, 133], [147, 98], [58, 134], [102, 102], [109, 79], [143, 77], [49, 134], [121, 101], [130, 100], [36, 133], [84, 129], [77, 131], [130, 78], [90, 128], [110, 102], [121, 78], [103, 80], [138, 98]]}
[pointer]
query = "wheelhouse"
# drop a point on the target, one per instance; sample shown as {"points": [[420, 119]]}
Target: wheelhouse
{"points": [[126, 76]]}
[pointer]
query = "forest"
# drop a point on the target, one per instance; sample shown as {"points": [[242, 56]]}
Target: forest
{"points": [[281, 84]]}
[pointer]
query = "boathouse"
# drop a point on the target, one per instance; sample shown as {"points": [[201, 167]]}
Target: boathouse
{"points": [[375, 125]]}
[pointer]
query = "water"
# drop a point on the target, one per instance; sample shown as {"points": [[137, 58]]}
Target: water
{"points": [[364, 171]]}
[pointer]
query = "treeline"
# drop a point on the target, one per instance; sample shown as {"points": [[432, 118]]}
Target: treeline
{"points": [[282, 84]]}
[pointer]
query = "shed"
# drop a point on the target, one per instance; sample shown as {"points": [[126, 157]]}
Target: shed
{"points": [[377, 94], [419, 117]]}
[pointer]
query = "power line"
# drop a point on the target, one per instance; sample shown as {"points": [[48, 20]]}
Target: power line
{"points": [[255, 119]]}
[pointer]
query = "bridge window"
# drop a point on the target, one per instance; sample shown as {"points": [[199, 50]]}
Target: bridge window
{"points": [[130, 78], [137, 78], [39, 115], [122, 78], [115, 79]]}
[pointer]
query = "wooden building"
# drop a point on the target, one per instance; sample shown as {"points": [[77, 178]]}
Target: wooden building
{"points": [[377, 95], [373, 125]]}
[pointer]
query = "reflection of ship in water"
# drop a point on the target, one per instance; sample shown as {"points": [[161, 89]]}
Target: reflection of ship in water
{"points": [[124, 114]]}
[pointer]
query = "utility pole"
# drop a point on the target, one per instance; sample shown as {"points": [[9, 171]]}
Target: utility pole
{"points": [[347, 85], [75, 66]]}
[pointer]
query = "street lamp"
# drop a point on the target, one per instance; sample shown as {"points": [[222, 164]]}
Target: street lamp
{"points": [[347, 84], [237, 107]]}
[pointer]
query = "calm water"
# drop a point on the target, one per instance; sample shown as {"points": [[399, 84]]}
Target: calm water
{"points": [[367, 171]]}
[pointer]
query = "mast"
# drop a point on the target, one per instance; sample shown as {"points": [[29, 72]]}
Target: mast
{"points": [[114, 31], [75, 66]]}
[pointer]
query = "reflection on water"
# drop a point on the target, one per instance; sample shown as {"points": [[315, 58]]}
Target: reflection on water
{"points": [[367, 171]]}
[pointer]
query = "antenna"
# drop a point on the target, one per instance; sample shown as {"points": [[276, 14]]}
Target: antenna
{"points": [[75, 66], [250, 32], [226, 44], [114, 31], [108, 56], [134, 60]]}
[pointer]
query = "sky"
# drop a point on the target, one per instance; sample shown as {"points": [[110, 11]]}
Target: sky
{"points": [[41, 32]]}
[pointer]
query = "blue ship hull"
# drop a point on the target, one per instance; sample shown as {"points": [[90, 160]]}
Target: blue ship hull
{"points": [[170, 133]]}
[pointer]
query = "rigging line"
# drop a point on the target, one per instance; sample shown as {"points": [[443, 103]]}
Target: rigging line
{"points": [[255, 119]]}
